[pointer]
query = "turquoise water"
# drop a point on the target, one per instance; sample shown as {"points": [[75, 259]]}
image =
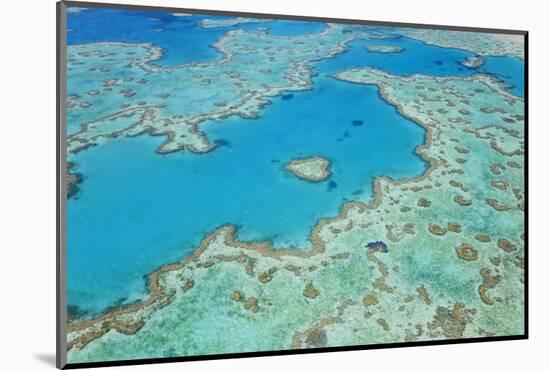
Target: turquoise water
{"points": [[138, 210]]}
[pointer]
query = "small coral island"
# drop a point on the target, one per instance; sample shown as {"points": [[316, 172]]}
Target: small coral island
{"points": [[310, 168], [473, 62], [386, 49]]}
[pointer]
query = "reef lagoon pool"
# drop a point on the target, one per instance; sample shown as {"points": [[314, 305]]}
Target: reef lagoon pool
{"points": [[146, 224]]}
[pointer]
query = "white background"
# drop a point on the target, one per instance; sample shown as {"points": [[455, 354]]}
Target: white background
{"points": [[27, 182]]}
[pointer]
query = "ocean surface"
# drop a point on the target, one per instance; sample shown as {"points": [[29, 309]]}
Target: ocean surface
{"points": [[138, 210]]}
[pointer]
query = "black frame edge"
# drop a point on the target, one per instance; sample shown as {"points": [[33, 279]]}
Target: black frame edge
{"points": [[526, 186], [61, 317]]}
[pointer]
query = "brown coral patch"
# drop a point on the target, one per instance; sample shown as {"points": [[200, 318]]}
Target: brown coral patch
{"points": [[497, 206], [518, 193], [340, 256], [484, 238], [251, 304], [267, 275], [454, 227], [461, 150], [315, 335], [423, 202], [424, 295], [316, 339], [383, 324], [521, 206], [466, 252], [310, 291], [453, 321], [520, 262], [458, 184], [206, 264], [236, 296], [489, 282], [370, 300], [436, 229], [461, 200], [496, 169], [513, 164], [380, 284], [294, 269], [408, 228], [250, 265], [189, 283], [411, 337], [499, 184], [506, 245]]}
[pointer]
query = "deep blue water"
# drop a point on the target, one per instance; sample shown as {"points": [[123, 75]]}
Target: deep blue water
{"points": [[181, 38], [138, 210], [162, 29], [507, 69], [287, 28], [418, 57]]}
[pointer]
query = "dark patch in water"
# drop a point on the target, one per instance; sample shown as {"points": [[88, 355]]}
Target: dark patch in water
{"points": [[222, 142], [357, 122], [317, 339], [438, 62], [118, 303], [344, 136], [121, 303], [170, 352], [74, 312], [347, 30], [275, 161], [331, 185], [287, 96], [74, 181], [357, 192], [378, 245]]}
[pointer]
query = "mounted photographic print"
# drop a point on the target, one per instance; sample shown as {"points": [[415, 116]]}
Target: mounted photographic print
{"points": [[237, 184]]}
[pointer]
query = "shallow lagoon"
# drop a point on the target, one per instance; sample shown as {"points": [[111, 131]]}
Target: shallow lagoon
{"points": [[138, 210]]}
